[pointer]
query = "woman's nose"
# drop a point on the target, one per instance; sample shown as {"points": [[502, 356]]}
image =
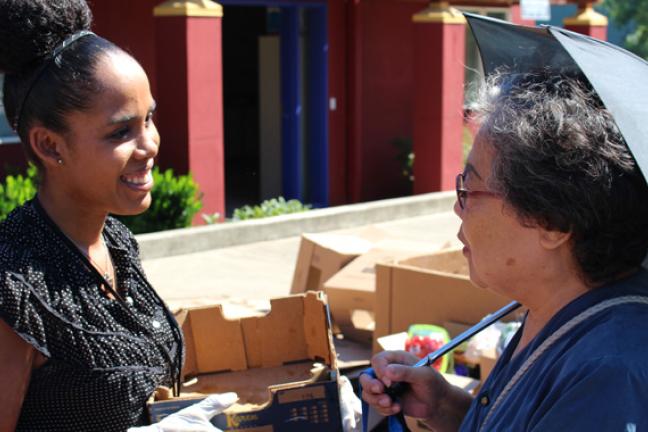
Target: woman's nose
{"points": [[149, 142], [457, 208]]}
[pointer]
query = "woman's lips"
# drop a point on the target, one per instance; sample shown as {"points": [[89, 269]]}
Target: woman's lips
{"points": [[141, 181], [465, 249]]}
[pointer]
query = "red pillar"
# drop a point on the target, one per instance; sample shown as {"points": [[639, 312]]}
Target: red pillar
{"points": [[337, 67], [516, 16], [190, 95], [355, 10], [587, 21], [439, 45]]}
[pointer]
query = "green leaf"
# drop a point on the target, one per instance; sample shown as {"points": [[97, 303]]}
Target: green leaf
{"points": [[272, 207], [16, 189], [175, 200]]}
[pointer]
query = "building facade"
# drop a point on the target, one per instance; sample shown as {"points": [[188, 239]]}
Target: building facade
{"points": [[319, 100]]}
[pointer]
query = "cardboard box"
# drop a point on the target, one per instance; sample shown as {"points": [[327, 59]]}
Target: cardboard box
{"points": [[282, 365], [429, 289], [487, 359], [351, 292], [322, 255]]}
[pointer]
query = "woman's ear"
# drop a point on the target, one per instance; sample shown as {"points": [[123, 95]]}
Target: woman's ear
{"points": [[551, 239], [47, 145]]}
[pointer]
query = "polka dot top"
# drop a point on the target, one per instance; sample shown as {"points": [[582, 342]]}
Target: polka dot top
{"points": [[105, 356]]}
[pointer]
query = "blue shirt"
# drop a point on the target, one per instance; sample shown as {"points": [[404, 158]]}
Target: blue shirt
{"points": [[595, 378]]}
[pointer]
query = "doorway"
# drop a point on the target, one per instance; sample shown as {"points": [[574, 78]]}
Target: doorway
{"points": [[275, 97]]}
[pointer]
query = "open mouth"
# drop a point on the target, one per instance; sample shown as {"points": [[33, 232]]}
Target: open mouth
{"points": [[142, 180]]}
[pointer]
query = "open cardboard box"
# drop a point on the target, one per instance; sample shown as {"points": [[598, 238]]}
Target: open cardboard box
{"points": [[282, 365], [322, 255], [351, 292], [429, 289]]}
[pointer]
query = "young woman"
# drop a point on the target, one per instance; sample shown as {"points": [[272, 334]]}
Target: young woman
{"points": [[85, 339]]}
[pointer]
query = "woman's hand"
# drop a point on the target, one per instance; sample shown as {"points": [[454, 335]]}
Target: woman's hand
{"points": [[428, 396], [194, 418]]}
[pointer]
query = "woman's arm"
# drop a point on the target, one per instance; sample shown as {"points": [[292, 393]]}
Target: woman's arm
{"points": [[16, 358]]}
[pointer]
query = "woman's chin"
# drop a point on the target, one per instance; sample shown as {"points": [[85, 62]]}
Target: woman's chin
{"points": [[133, 209], [473, 275]]}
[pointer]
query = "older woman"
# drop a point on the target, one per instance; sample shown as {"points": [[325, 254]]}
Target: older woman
{"points": [[554, 214]]}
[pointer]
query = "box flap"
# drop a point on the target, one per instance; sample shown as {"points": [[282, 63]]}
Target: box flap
{"points": [[360, 274], [342, 244], [218, 341], [451, 261], [351, 293], [295, 329], [302, 266], [393, 342], [320, 256], [317, 329], [278, 337]]}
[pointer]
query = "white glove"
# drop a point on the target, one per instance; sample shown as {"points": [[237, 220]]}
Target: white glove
{"points": [[350, 406], [194, 418]]}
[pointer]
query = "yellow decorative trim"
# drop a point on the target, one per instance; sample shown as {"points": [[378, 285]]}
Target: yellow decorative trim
{"points": [[587, 16], [439, 12], [189, 8]]}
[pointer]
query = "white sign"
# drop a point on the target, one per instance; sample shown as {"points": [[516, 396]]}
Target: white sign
{"points": [[537, 10]]}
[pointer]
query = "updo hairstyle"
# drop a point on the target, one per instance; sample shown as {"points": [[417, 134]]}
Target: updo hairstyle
{"points": [[40, 89]]}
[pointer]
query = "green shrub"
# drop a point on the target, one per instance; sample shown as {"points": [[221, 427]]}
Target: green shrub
{"points": [[16, 189], [271, 207], [175, 201]]}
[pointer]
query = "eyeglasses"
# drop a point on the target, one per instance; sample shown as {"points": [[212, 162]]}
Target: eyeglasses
{"points": [[463, 193]]}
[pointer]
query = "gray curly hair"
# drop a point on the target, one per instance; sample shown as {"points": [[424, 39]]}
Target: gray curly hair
{"points": [[561, 163]]}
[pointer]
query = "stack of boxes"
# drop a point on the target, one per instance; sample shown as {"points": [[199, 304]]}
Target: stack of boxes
{"points": [[284, 364], [384, 290]]}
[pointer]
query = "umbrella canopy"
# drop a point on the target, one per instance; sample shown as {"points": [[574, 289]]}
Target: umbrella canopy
{"points": [[619, 77]]}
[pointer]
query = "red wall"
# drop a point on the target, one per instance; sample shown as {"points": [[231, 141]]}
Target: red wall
{"points": [[337, 55], [385, 93], [130, 25], [173, 103], [370, 75]]}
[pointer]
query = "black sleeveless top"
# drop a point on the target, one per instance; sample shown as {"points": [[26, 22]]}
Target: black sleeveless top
{"points": [[104, 356]]}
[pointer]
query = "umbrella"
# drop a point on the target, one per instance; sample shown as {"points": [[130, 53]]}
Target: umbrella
{"points": [[619, 77]]}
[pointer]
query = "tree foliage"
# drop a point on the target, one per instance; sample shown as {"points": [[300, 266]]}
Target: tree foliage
{"points": [[632, 13]]}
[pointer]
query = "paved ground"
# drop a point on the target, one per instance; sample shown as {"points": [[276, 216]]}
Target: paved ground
{"points": [[247, 276]]}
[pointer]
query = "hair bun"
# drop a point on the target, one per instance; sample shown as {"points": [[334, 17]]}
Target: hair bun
{"points": [[31, 29]]}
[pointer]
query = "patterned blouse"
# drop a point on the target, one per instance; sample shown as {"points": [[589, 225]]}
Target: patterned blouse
{"points": [[105, 356]]}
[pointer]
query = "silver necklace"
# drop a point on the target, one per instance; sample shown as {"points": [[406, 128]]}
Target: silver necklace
{"points": [[103, 270]]}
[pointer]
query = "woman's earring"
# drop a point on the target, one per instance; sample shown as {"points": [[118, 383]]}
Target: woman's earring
{"points": [[60, 161]]}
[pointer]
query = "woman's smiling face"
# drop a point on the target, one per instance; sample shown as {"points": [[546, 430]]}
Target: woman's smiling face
{"points": [[110, 147]]}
